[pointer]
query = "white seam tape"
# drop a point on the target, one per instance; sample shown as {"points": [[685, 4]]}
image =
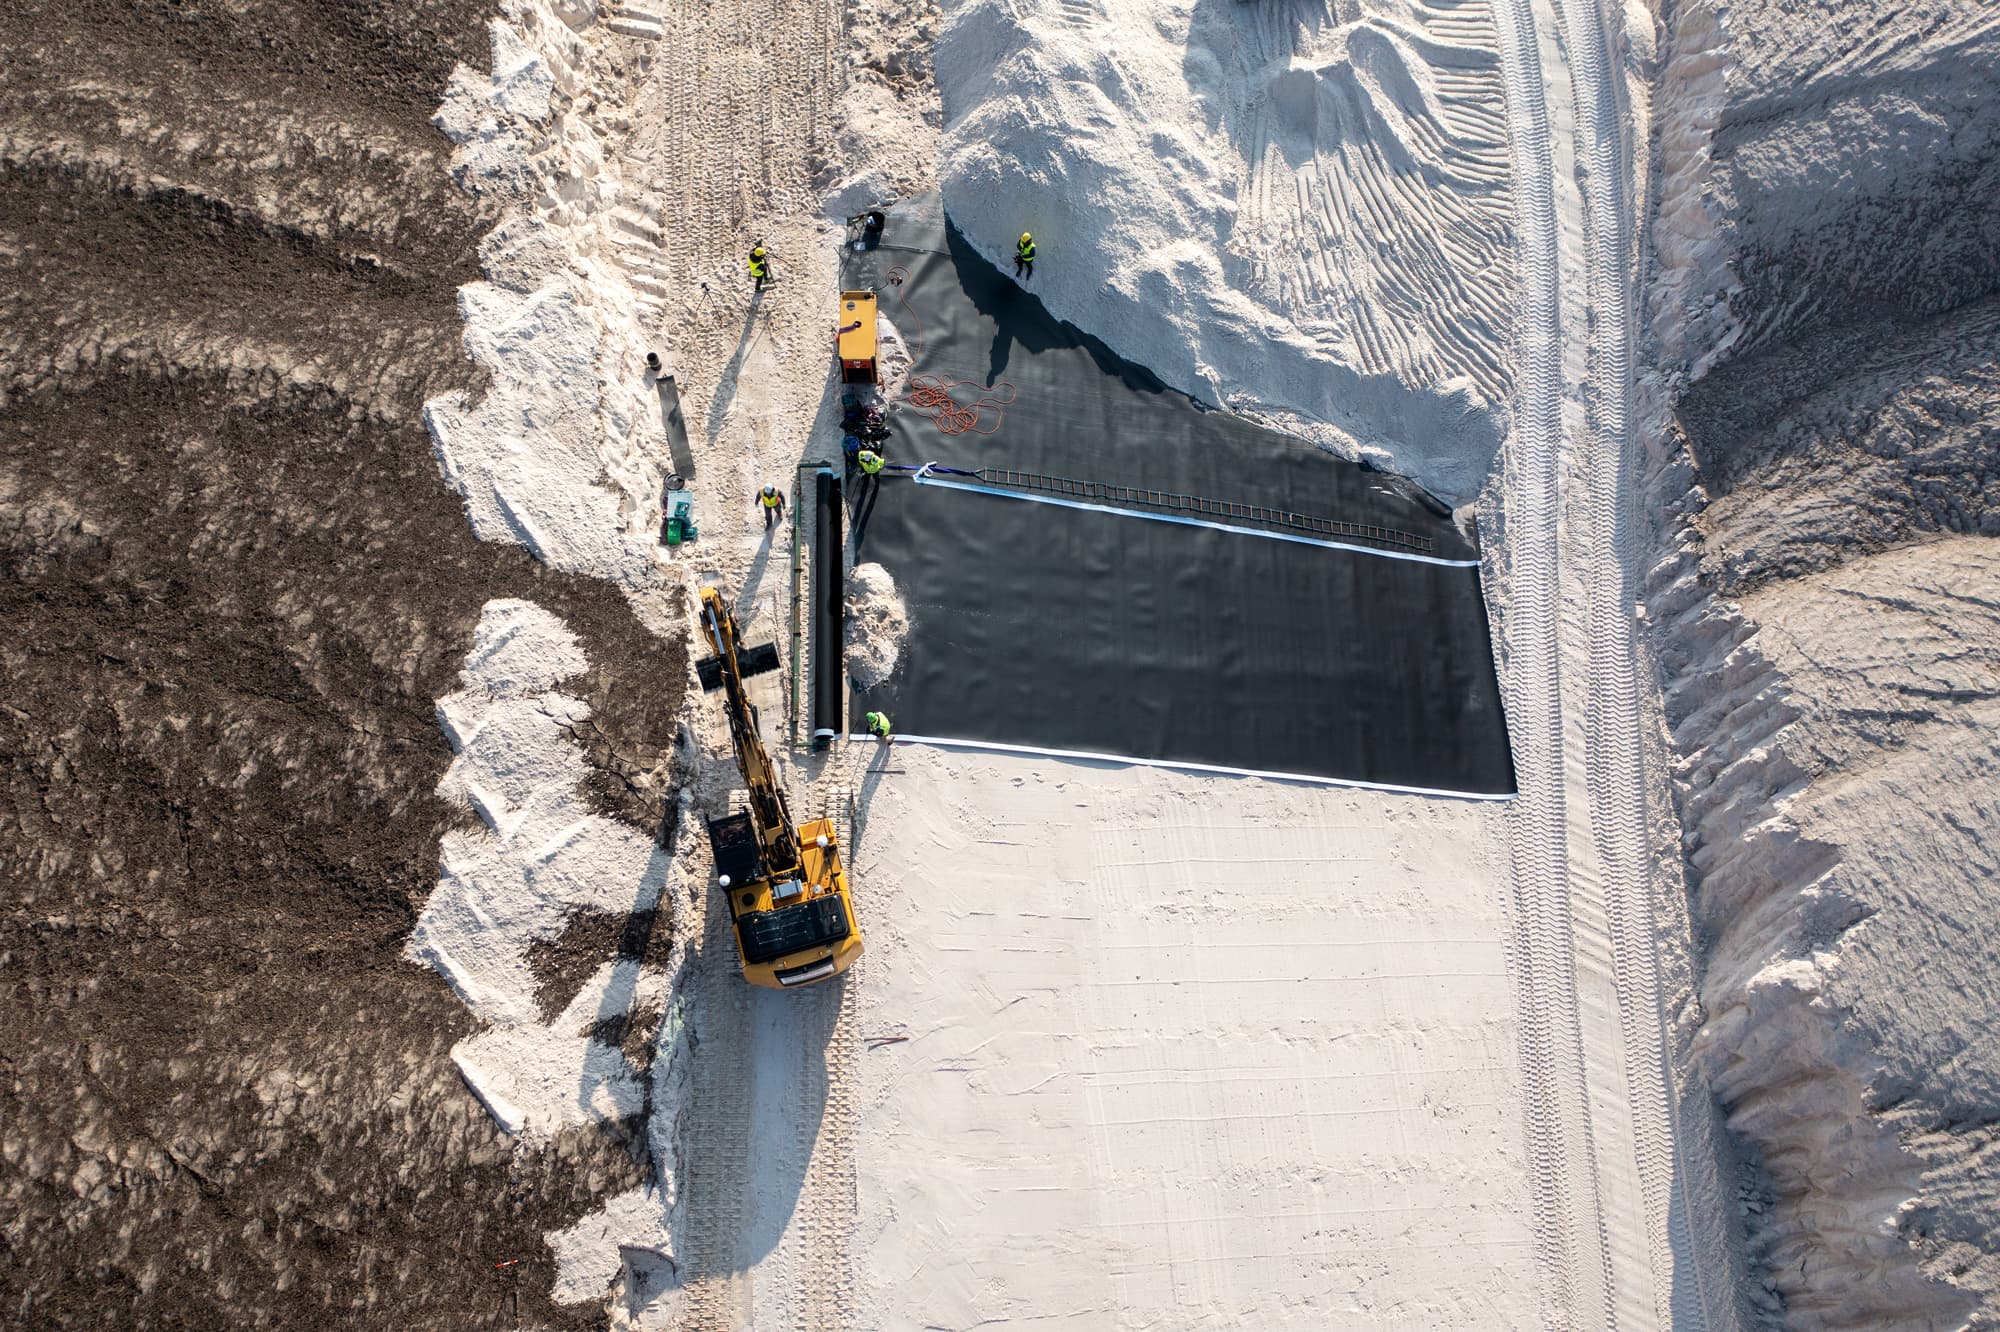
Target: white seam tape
{"points": [[944, 742], [923, 480]]}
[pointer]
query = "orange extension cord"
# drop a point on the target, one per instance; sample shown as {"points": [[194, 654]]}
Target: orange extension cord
{"points": [[936, 397]]}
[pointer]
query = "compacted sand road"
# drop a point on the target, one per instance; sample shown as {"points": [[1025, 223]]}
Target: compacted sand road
{"points": [[1617, 1192]]}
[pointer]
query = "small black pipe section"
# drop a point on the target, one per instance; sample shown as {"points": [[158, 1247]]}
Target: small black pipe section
{"points": [[676, 424], [829, 577]]}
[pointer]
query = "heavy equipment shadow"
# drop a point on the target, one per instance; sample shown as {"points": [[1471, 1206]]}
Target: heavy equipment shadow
{"points": [[751, 1119], [607, 1063]]}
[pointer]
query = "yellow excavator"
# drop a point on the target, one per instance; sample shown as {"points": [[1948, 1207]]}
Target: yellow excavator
{"points": [[786, 889]]}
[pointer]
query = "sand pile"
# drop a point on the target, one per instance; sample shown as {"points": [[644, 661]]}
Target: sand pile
{"points": [[876, 625], [561, 454], [1839, 779], [541, 857], [889, 114], [893, 358], [1303, 213], [1825, 318], [551, 1055], [557, 454]]}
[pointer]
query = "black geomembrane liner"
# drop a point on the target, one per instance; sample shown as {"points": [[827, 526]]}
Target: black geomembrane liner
{"points": [[1060, 627]]}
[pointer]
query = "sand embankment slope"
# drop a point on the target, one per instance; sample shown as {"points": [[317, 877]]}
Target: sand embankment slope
{"points": [[1302, 214], [1822, 306]]}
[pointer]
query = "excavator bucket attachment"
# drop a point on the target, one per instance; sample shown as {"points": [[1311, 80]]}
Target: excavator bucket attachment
{"points": [[750, 661], [738, 858]]}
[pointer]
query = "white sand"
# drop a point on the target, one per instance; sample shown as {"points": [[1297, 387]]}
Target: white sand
{"points": [[1632, 1210], [877, 623], [559, 454], [540, 856], [1302, 213], [1183, 1052], [564, 455], [1841, 770], [1838, 761]]}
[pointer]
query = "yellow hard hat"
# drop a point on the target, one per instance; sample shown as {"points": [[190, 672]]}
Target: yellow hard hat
{"points": [[1026, 236], [758, 252]]}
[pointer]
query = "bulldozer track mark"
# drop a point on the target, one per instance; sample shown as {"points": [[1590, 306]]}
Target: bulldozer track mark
{"points": [[749, 94], [828, 1198]]}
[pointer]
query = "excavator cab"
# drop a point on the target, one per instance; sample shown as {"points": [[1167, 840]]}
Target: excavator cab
{"points": [[795, 928], [786, 888]]}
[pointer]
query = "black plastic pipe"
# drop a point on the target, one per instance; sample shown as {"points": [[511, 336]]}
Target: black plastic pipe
{"points": [[829, 625]]}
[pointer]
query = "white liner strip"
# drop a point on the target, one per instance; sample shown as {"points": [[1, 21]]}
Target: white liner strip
{"points": [[924, 480], [945, 742]]}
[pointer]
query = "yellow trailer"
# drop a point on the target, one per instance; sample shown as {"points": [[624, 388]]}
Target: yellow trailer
{"points": [[854, 340]]}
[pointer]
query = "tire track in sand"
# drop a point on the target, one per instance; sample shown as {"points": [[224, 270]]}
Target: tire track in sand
{"points": [[1616, 759], [1610, 1209], [1569, 1234]]}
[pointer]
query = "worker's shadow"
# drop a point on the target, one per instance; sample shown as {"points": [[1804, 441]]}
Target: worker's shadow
{"points": [[725, 389], [1018, 316], [1020, 320], [866, 491], [878, 767], [753, 578]]}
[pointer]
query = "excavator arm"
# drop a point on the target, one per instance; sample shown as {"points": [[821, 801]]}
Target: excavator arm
{"points": [[784, 884], [777, 835]]}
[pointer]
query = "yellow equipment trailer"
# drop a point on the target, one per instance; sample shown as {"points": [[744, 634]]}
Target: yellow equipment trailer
{"points": [[786, 888], [854, 338]]}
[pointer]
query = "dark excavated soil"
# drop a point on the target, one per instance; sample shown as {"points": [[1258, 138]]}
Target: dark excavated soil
{"points": [[234, 586]]}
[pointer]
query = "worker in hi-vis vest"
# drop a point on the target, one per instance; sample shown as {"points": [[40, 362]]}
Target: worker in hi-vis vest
{"points": [[1024, 256], [773, 500], [878, 725], [760, 265]]}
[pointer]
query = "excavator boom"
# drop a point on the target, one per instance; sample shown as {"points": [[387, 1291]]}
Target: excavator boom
{"points": [[773, 817]]}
